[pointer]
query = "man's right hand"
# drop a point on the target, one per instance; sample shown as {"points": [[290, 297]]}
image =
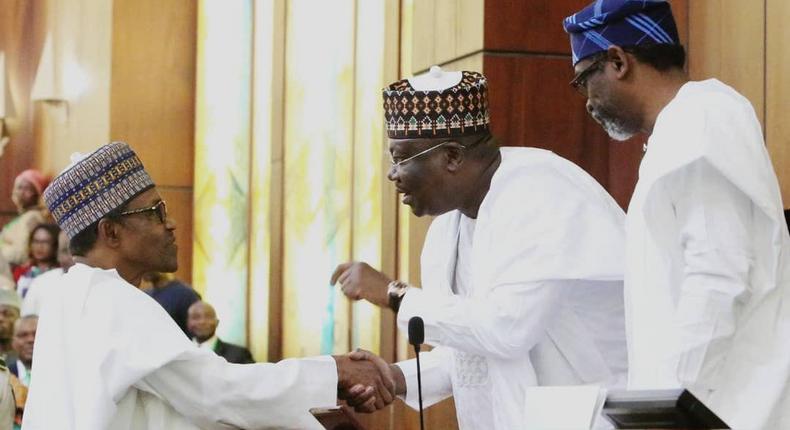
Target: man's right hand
{"points": [[365, 381]]}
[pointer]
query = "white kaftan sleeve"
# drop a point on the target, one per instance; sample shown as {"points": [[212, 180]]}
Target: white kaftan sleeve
{"points": [[508, 321], [715, 223], [435, 374], [215, 394]]}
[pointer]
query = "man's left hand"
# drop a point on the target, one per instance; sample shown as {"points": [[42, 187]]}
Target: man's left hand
{"points": [[359, 281]]}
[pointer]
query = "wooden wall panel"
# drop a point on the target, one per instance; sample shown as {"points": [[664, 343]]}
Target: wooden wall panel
{"points": [[76, 117], [152, 99], [444, 30], [533, 105], [727, 41], [777, 91], [22, 33], [529, 25], [536, 26]]}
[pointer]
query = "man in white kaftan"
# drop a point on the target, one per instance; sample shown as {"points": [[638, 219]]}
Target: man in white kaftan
{"points": [[708, 272], [96, 368], [522, 287], [107, 356]]}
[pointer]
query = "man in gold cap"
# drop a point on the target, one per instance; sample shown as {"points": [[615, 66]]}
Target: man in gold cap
{"points": [[109, 357]]}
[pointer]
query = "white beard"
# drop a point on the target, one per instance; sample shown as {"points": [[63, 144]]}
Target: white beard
{"points": [[615, 130]]}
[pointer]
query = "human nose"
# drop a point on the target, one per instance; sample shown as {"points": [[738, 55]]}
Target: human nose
{"points": [[170, 223], [392, 173], [589, 107]]}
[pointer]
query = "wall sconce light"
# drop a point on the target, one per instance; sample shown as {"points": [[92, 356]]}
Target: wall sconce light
{"points": [[46, 86]]}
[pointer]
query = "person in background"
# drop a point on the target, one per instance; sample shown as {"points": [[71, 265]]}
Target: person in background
{"points": [[6, 276], [9, 313], [707, 279], [202, 324], [21, 368], [43, 256], [14, 237], [175, 296], [43, 285], [24, 338], [11, 390]]}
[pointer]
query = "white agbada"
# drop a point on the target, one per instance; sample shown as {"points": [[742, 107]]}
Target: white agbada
{"points": [[708, 271], [539, 292], [108, 357]]}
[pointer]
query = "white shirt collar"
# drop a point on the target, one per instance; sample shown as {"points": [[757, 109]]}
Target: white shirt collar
{"points": [[209, 343]]}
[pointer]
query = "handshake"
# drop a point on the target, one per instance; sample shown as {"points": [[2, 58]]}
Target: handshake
{"points": [[366, 382]]}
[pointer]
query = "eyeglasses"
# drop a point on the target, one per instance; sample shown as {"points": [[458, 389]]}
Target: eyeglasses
{"points": [[579, 83], [160, 208], [399, 163]]}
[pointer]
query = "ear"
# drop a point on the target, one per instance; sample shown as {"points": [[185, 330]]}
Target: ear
{"points": [[454, 155], [621, 62], [109, 233]]}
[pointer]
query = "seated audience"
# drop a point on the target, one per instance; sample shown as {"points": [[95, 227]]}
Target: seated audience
{"points": [[21, 367], [43, 252], [202, 323], [6, 277], [42, 286], [28, 187], [175, 296], [8, 395], [9, 313], [24, 338]]}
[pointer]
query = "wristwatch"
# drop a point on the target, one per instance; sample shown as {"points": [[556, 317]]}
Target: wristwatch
{"points": [[396, 290]]}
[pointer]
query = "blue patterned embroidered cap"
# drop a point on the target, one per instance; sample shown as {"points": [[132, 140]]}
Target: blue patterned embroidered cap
{"points": [[620, 22], [94, 185], [437, 104]]}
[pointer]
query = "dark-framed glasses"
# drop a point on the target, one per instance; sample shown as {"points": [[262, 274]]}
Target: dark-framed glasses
{"points": [[579, 83], [160, 208]]}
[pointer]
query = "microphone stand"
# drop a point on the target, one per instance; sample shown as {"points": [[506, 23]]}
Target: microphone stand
{"points": [[419, 385]]}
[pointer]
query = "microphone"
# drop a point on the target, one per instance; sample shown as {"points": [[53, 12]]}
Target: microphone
{"points": [[416, 338]]}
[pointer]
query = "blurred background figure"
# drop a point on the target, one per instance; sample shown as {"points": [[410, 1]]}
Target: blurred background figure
{"points": [[26, 196], [9, 313], [42, 256], [42, 285], [6, 277], [11, 391], [202, 323], [20, 368], [22, 343], [174, 295]]}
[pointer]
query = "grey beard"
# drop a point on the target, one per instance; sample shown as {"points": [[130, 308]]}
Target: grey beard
{"points": [[615, 129]]}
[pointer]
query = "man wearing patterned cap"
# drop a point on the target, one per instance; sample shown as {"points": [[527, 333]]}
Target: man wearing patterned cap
{"points": [[109, 357], [708, 274], [521, 269]]}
